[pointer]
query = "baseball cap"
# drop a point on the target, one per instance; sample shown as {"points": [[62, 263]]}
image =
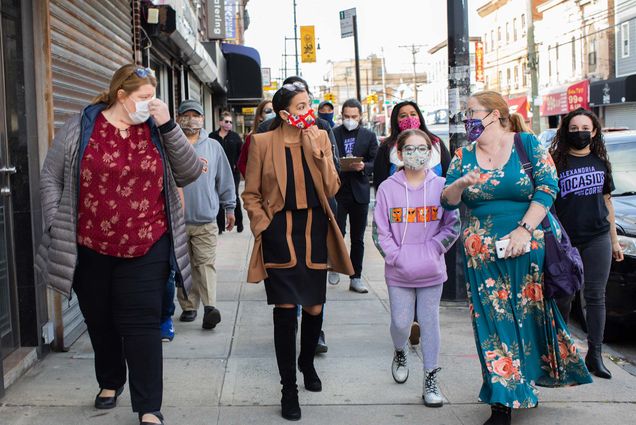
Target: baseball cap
{"points": [[325, 103], [190, 105]]}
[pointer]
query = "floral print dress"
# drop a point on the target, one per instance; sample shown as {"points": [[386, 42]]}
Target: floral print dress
{"points": [[521, 338]]}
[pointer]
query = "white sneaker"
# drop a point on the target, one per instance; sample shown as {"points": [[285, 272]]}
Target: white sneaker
{"points": [[358, 286], [430, 393], [399, 367], [333, 278]]}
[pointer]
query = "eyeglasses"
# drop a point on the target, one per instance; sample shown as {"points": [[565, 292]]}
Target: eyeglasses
{"points": [[227, 122], [469, 113], [268, 110], [144, 72], [295, 86], [412, 149]]}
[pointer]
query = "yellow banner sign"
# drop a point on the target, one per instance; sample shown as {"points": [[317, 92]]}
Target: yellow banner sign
{"points": [[308, 44], [248, 111]]}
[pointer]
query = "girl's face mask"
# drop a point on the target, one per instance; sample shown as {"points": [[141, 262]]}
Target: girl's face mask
{"points": [[302, 121], [409, 123], [579, 139], [416, 159]]}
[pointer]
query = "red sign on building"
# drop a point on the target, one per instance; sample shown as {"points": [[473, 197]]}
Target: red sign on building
{"points": [[479, 62], [566, 99]]}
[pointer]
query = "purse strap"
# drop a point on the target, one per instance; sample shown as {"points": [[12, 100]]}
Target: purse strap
{"points": [[528, 168]]}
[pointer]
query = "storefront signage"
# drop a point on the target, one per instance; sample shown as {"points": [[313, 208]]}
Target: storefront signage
{"points": [[566, 99], [230, 19], [308, 44], [216, 19], [479, 62], [578, 95]]}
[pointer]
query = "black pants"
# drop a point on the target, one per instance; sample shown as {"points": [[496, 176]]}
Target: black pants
{"points": [[597, 260], [121, 300], [357, 213], [238, 212]]}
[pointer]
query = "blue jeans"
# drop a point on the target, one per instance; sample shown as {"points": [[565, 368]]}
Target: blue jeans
{"points": [[167, 308]]}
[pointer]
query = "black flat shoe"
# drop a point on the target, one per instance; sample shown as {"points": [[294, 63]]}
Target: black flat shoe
{"points": [[188, 316], [157, 414], [104, 403]]}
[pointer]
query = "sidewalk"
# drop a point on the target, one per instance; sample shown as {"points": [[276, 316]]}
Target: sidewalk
{"points": [[229, 375]]}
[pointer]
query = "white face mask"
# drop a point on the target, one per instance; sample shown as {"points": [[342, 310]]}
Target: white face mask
{"points": [[142, 112], [350, 124], [394, 158], [416, 160], [270, 116]]}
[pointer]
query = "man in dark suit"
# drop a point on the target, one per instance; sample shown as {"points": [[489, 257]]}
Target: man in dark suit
{"points": [[354, 195]]}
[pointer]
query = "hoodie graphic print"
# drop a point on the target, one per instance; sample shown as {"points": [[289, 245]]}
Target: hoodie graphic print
{"points": [[413, 232]]}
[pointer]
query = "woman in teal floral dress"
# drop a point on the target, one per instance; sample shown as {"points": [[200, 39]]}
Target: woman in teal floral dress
{"points": [[522, 340]]}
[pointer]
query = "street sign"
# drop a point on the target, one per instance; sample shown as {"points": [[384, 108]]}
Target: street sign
{"points": [[346, 22], [267, 76], [248, 111], [479, 61], [308, 44], [330, 97]]}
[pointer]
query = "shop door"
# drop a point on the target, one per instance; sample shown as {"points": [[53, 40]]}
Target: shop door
{"points": [[9, 338]]}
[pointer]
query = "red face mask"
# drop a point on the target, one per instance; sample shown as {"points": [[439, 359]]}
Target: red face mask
{"points": [[302, 121]]}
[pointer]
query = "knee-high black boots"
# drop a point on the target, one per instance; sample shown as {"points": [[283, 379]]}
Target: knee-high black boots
{"points": [[309, 335], [285, 325]]}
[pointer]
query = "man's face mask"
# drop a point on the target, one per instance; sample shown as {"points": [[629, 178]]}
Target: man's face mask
{"points": [[302, 121], [190, 125]]}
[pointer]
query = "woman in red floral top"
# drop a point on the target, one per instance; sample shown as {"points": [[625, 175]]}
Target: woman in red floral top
{"points": [[115, 230]]}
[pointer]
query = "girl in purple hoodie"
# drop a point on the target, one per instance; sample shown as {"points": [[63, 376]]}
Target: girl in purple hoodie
{"points": [[413, 232]]}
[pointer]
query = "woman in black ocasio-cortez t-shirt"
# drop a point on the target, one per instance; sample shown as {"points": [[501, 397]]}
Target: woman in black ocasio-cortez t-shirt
{"points": [[584, 207]]}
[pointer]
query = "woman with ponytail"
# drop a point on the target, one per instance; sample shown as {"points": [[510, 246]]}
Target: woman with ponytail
{"points": [[521, 338], [115, 230]]}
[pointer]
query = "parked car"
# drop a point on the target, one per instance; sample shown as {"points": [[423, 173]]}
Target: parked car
{"points": [[621, 286]]}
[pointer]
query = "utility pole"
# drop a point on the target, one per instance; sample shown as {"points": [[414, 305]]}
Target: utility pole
{"points": [[458, 92], [384, 96], [415, 49], [296, 40], [357, 55], [533, 65]]}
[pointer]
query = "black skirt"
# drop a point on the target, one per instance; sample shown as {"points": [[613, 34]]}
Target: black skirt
{"points": [[298, 284]]}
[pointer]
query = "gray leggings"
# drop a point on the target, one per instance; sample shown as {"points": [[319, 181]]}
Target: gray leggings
{"points": [[597, 260], [403, 302]]}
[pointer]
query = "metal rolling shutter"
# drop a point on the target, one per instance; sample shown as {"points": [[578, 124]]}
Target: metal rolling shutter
{"points": [[89, 41], [621, 115], [194, 87]]}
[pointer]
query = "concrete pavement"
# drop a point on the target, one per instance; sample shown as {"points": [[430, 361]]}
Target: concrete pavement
{"points": [[229, 375]]}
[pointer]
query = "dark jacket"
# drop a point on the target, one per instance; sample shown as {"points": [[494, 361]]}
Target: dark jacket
{"points": [[231, 144], [356, 183], [57, 255], [382, 164]]}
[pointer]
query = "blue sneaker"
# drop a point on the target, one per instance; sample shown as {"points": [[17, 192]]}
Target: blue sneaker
{"points": [[167, 330]]}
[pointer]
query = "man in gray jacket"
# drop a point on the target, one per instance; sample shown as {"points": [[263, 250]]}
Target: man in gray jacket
{"points": [[214, 189]]}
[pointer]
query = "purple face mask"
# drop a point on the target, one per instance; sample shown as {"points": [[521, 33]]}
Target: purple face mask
{"points": [[474, 128]]}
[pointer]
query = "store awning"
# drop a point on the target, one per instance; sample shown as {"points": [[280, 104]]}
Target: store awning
{"points": [[564, 99], [615, 91], [245, 85], [519, 105]]}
